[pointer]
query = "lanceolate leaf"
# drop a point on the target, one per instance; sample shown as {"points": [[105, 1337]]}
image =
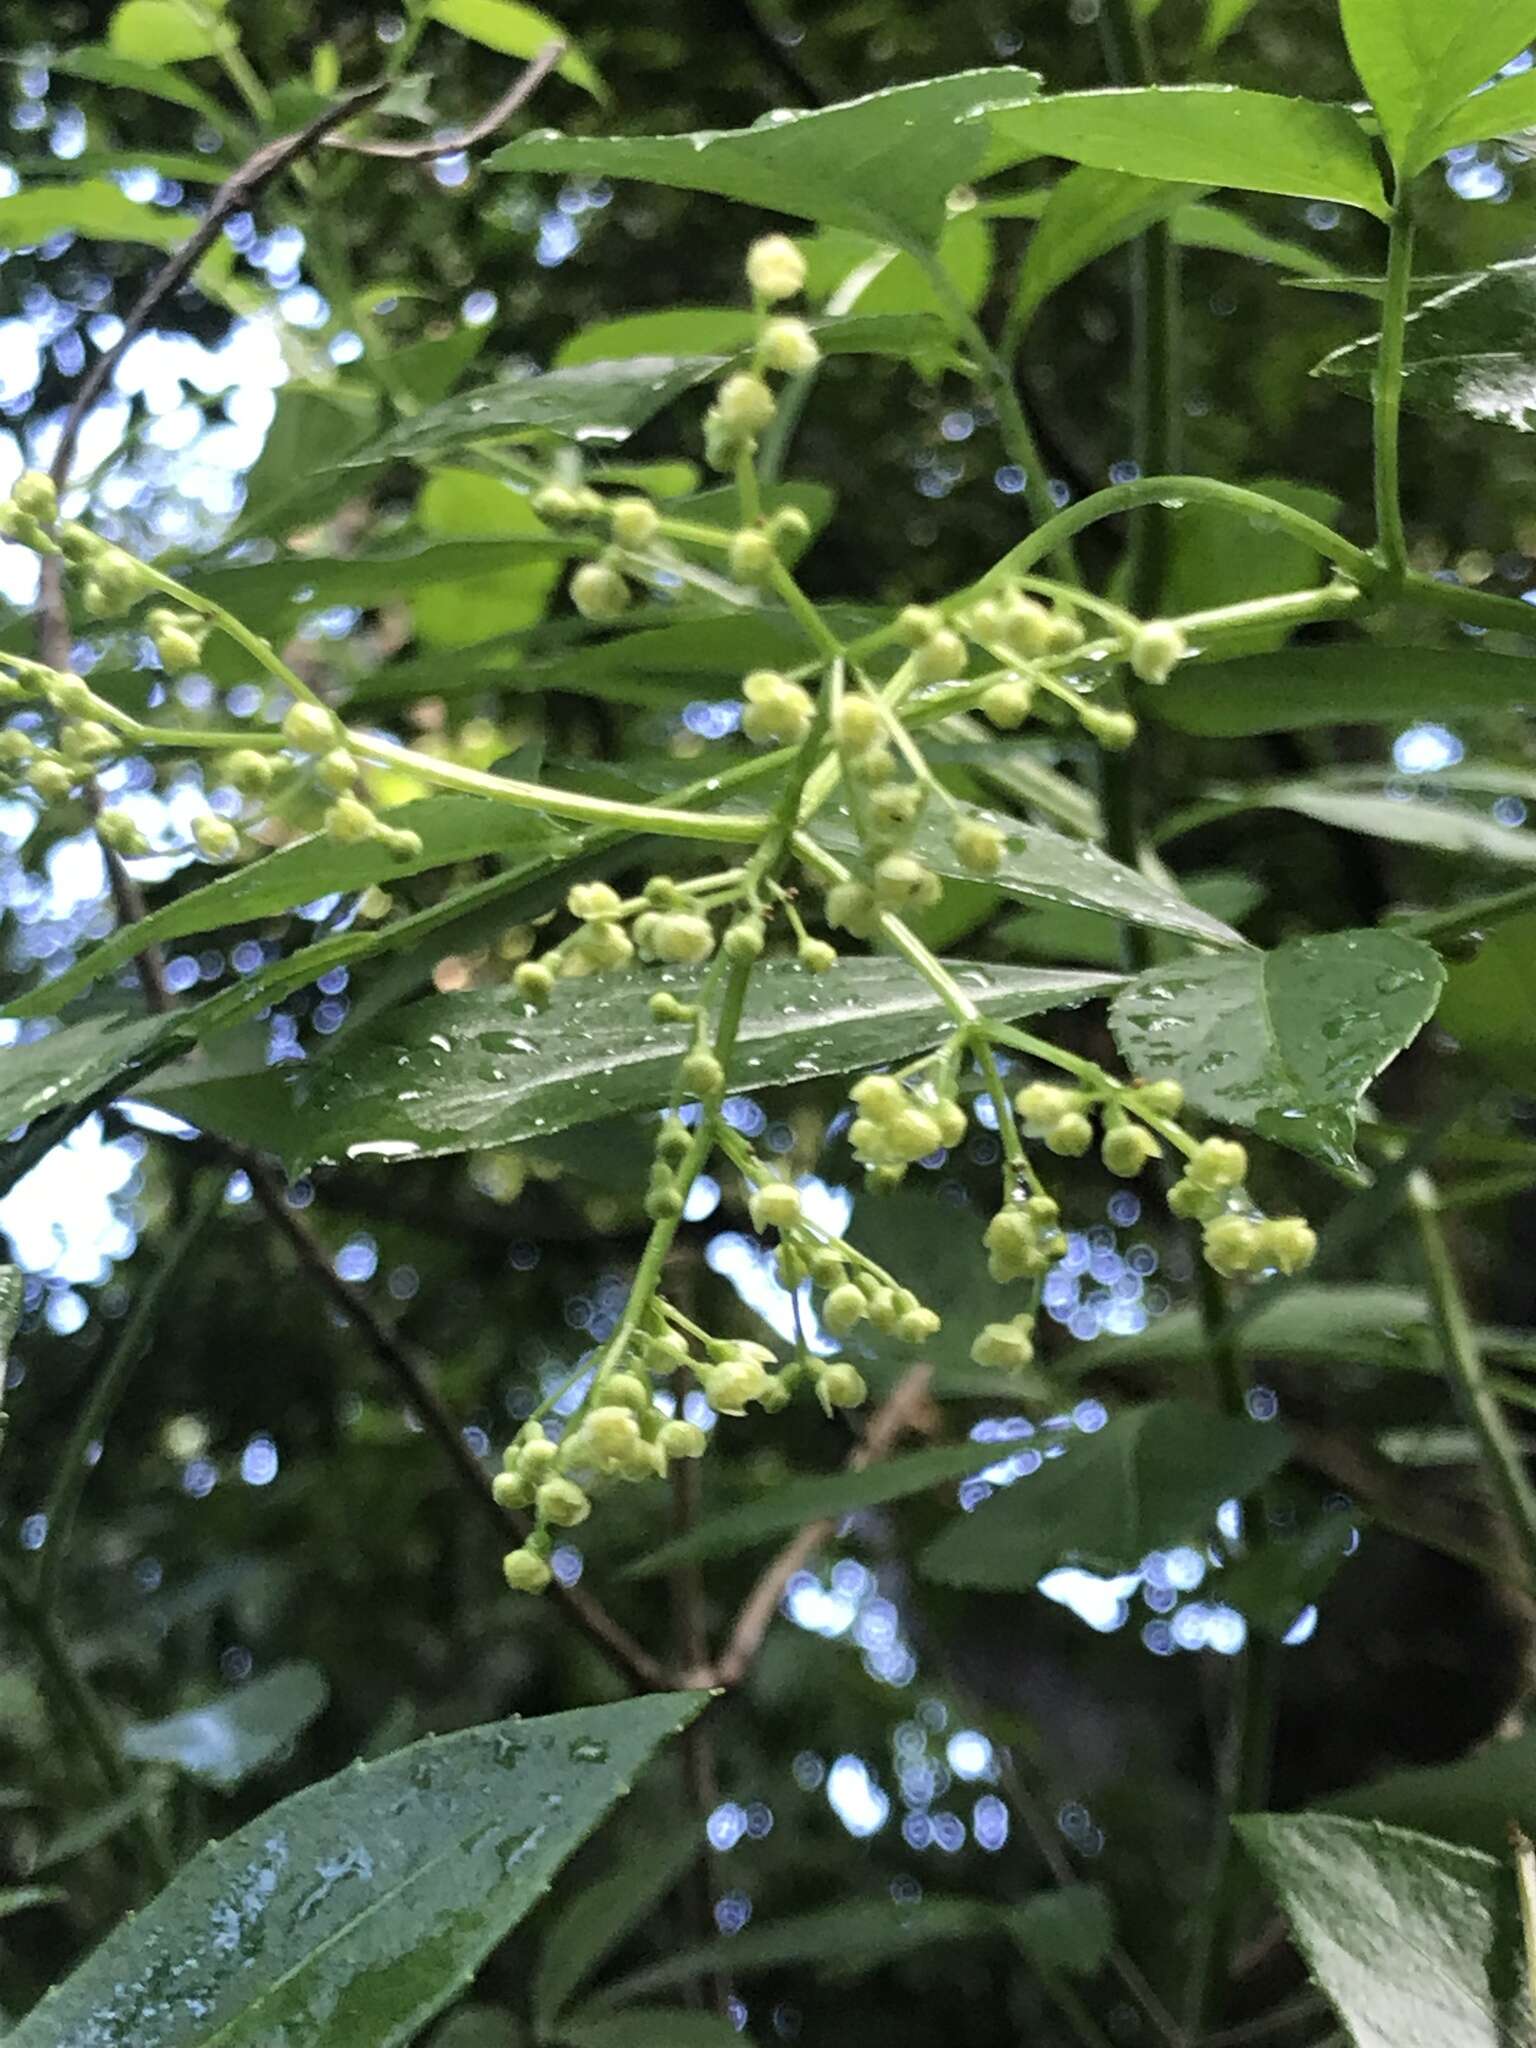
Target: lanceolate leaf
{"points": [[516, 31], [95, 208], [76, 1063], [883, 165], [452, 828], [1417, 58], [1042, 866], [1215, 135], [458, 1073], [1089, 213], [1416, 1942], [355, 1910], [1151, 1478], [1284, 1043], [790, 1505], [1363, 683], [593, 1921], [1469, 351], [1424, 815], [225, 1741]]}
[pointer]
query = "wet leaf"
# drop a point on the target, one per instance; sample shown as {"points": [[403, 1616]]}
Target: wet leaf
{"points": [[1417, 58], [1213, 135], [1153, 1477], [1468, 351], [792, 1503], [168, 31], [459, 1073], [452, 828], [75, 1064], [1361, 683], [1284, 1043], [356, 1909], [1041, 866], [1416, 1942], [882, 165], [1425, 813], [237, 1734]]}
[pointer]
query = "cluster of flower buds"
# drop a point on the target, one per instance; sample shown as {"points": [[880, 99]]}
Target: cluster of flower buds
{"points": [[895, 1126], [313, 731], [1238, 1240]]}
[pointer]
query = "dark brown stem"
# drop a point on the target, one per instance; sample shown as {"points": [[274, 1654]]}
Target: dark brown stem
{"points": [[517, 94]]}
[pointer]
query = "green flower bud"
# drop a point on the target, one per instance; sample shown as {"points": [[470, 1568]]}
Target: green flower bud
{"points": [[350, 821], [744, 940], [844, 1307], [1127, 1148], [179, 650], [562, 1502], [745, 404], [511, 1491], [916, 625], [216, 838], [951, 1120], [851, 907], [534, 982], [1070, 1136], [917, 1325], [537, 1459], [77, 543], [979, 845], [663, 1204], [593, 900], [1114, 730], [679, 1439], [51, 780], [875, 765], [1067, 634], [1157, 650], [1233, 1246], [1025, 625], [69, 694], [15, 747], [729, 1386], [636, 522], [682, 938], [87, 739], [609, 1436], [841, 1385], [599, 592], [600, 947], [751, 557], [940, 658], [775, 268], [858, 723], [777, 709], [1041, 1105], [1187, 1199], [897, 804], [788, 529], [789, 347], [119, 831], [912, 1135], [673, 1140], [1008, 704], [775, 1206], [701, 1073], [880, 1096], [557, 506], [34, 495], [1217, 1164], [525, 1571], [1004, 1347], [628, 1390], [1161, 1098], [336, 770], [816, 956], [902, 882], [311, 728], [1287, 1242], [248, 771]]}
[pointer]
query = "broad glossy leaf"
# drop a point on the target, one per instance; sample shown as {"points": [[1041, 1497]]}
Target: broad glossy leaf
{"points": [[593, 1921], [168, 31], [1071, 1929], [516, 31], [1214, 135], [95, 208], [597, 404], [1151, 1478], [1415, 1942], [1424, 814], [1469, 351], [452, 828], [1505, 109], [1089, 213], [268, 596], [1361, 683], [1042, 866], [882, 165], [732, 331], [236, 1734], [1417, 58], [354, 1911], [459, 1073], [1489, 1004], [1470, 1802], [791, 1504], [1284, 1043], [74, 1064]]}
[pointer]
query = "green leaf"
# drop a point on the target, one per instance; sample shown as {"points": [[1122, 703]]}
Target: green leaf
{"points": [[732, 331], [1424, 815], [1505, 109], [95, 208], [463, 1072], [1071, 1929], [597, 404], [649, 2027], [596, 1919], [883, 165], [452, 828], [77, 1063], [1358, 683], [226, 1741], [516, 31], [1198, 226], [294, 481], [1468, 351], [1417, 58], [1489, 1004], [1221, 18], [20, 1898], [1213, 562], [797, 1501], [855, 272], [168, 31], [354, 1911], [1313, 1323], [1089, 213], [1284, 1043], [1414, 1941], [1041, 866], [1470, 1802], [109, 67], [1153, 1477], [1214, 135], [1271, 1587], [461, 504]]}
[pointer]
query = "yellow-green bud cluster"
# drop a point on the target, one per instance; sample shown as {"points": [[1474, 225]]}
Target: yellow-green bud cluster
{"points": [[178, 638], [1058, 1116], [1237, 1246], [895, 1127], [778, 712], [599, 592], [352, 822], [1024, 1239], [1157, 648], [1005, 1347]]}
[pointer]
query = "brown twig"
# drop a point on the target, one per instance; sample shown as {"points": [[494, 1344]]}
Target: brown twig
{"points": [[907, 1409], [517, 94]]}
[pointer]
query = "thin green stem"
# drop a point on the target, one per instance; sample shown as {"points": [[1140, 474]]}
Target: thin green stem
{"points": [[1503, 1461], [1387, 391], [1069, 2002], [806, 615]]}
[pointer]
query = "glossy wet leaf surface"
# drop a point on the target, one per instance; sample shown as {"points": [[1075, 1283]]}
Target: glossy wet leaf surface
{"points": [[649, 2027], [452, 828], [1151, 1478], [882, 165], [1283, 1043], [223, 1742], [1415, 1942], [1425, 812], [458, 1073], [1469, 352], [1362, 683], [353, 1911], [75, 1063], [1042, 866]]}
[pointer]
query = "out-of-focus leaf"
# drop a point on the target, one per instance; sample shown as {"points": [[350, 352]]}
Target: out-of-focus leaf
{"points": [[1272, 1586], [797, 1501], [237, 1734], [294, 481], [269, 596], [1426, 814], [1362, 683], [110, 67], [732, 331], [1417, 58], [1287, 1042], [461, 504], [95, 208], [76, 1063], [463, 1072], [1416, 1942], [1198, 226], [21, 1898], [602, 1914], [1089, 213], [1221, 18], [452, 828], [1313, 1323], [1153, 1477], [882, 165], [857, 273], [517, 31], [168, 31], [1470, 1802], [1489, 1003], [1071, 1929], [1468, 352], [357, 1909], [649, 2026], [1213, 562]]}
